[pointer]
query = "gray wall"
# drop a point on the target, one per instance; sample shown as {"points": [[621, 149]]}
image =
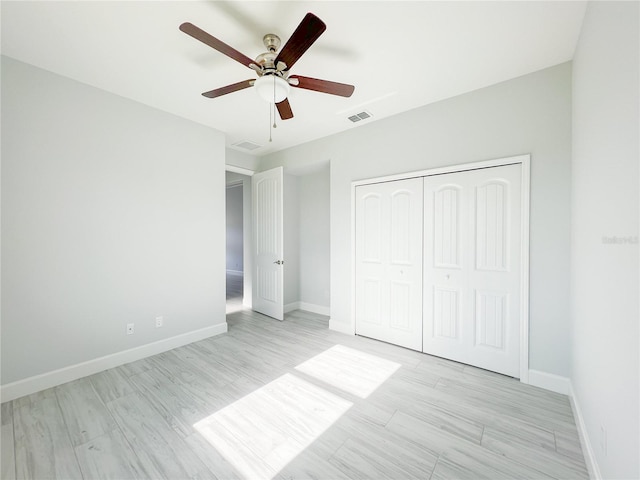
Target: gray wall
{"points": [[291, 227], [605, 371], [314, 238], [235, 229], [530, 114], [241, 160], [111, 214]]}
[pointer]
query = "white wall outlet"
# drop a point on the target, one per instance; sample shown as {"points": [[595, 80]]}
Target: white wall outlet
{"points": [[129, 328], [159, 322]]}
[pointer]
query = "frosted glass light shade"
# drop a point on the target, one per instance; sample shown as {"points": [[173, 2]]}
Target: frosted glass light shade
{"points": [[266, 89]]}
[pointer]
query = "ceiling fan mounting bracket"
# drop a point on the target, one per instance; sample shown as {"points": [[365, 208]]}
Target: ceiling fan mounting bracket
{"points": [[271, 42]]}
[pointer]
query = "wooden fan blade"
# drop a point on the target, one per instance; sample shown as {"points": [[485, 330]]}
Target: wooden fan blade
{"points": [[307, 32], [216, 44], [284, 109], [324, 86], [228, 89]]}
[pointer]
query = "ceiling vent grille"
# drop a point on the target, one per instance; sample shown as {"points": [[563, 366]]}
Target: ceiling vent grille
{"points": [[246, 145], [360, 116]]}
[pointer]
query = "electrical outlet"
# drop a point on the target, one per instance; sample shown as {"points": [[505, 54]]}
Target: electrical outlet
{"points": [[129, 328], [603, 439], [159, 322]]}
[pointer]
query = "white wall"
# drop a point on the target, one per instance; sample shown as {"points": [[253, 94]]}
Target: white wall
{"points": [[234, 158], [235, 230], [111, 214], [291, 211], [314, 238], [605, 185], [530, 114]]}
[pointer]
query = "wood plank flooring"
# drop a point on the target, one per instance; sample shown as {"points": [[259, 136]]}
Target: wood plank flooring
{"points": [[258, 402]]}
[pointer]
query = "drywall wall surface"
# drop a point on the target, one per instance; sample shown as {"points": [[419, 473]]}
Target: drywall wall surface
{"points": [[248, 250], [233, 178], [314, 238], [291, 229], [605, 228], [235, 230], [529, 114], [111, 214], [234, 158]]}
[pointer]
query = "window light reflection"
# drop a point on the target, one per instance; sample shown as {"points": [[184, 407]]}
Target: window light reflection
{"points": [[263, 431], [350, 370]]}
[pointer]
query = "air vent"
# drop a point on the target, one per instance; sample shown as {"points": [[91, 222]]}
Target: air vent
{"points": [[246, 145], [360, 116]]}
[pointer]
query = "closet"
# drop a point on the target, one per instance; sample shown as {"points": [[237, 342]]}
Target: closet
{"points": [[438, 265]]}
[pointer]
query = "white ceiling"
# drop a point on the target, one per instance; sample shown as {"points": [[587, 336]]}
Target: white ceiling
{"points": [[399, 55]]}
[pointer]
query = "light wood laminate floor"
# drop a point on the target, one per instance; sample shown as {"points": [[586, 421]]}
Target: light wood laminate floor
{"points": [[291, 400], [235, 289]]}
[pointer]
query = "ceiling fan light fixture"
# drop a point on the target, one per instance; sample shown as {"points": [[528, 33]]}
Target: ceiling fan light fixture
{"points": [[271, 88]]}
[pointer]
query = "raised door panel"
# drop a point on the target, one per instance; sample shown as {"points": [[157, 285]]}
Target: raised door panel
{"points": [[491, 316], [446, 313], [400, 227], [371, 231], [492, 226], [400, 298], [370, 306], [446, 212]]}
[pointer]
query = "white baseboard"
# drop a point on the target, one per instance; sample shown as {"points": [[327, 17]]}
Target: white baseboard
{"points": [[237, 273], [290, 307], [549, 381], [585, 442], [341, 327], [313, 308], [34, 384], [307, 307]]}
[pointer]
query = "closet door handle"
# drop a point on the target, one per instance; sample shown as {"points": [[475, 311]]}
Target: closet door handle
{"points": [[279, 262]]}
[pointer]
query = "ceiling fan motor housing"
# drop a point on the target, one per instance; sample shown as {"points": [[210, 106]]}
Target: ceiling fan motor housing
{"points": [[266, 61]]}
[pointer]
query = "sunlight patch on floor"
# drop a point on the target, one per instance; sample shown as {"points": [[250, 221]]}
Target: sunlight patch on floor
{"points": [[350, 370], [263, 431]]}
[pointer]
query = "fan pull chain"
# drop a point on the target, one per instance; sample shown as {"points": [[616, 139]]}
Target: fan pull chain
{"points": [[274, 103], [270, 123], [272, 111]]}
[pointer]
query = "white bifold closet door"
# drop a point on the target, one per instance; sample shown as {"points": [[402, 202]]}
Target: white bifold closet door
{"points": [[389, 262], [472, 262]]}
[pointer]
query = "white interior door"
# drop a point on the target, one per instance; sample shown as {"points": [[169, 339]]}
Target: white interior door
{"points": [[472, 239], [389, 262], [268, 258]]}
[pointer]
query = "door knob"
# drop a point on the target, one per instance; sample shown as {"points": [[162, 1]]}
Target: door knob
{"points": [[279, 262]]}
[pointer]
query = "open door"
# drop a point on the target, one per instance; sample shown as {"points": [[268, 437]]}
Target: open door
{"points": [[268, 261]]}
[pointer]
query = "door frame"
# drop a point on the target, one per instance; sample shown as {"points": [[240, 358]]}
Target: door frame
{"points": [[525, 161]]}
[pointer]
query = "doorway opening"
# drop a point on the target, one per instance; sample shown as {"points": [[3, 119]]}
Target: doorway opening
{"points": [[238, 218]]}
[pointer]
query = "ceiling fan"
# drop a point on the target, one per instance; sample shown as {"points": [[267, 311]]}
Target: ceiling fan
{"points": [[273, 67]]}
